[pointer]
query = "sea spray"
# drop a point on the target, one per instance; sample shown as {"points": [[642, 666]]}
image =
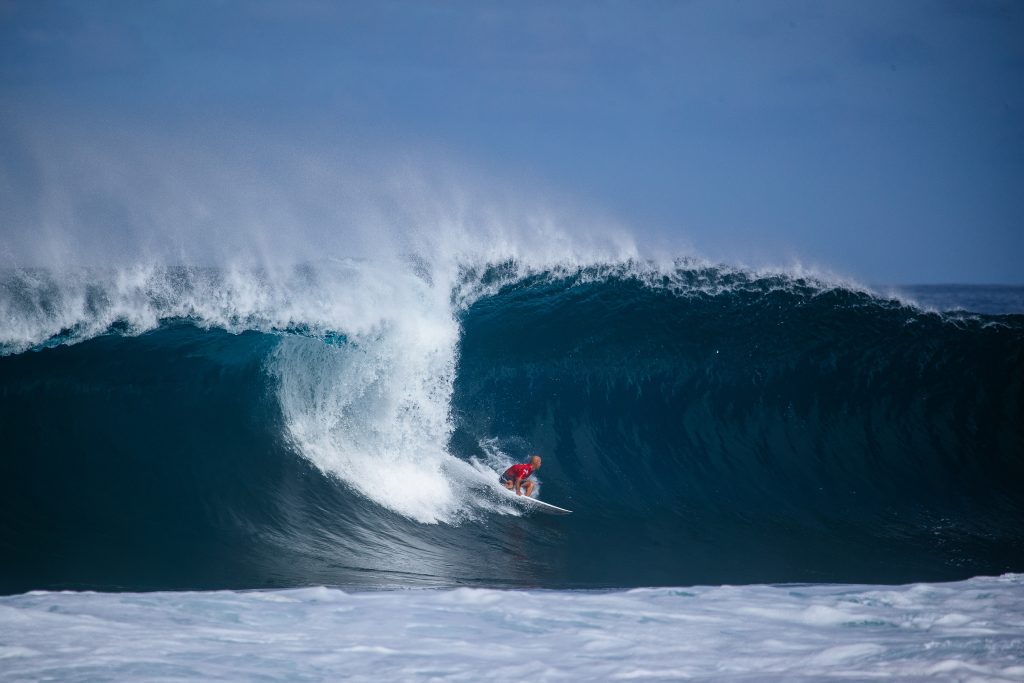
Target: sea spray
{"points": [[374, 411]]}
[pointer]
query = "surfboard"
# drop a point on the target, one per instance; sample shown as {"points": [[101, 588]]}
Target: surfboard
{"points": [[537, 505], [541, 506]]}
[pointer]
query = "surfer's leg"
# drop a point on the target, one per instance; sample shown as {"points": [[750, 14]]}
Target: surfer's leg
{"points": [[528, 485]]}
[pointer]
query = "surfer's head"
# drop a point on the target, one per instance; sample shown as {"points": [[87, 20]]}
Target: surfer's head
{"points": [[535, 461]]}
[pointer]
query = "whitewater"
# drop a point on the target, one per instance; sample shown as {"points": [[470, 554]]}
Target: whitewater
{"points": [[967, 631]]}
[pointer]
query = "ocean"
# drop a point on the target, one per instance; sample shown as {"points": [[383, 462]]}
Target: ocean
{"points": [[240, 473]]}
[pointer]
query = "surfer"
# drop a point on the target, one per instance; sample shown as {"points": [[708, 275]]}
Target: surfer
{"points": [[515, 477]]}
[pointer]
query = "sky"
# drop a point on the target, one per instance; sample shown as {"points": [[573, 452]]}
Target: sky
{"points": [[880, 140]]}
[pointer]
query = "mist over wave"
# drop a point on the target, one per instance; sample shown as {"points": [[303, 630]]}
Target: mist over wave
{"points": [[342, 422]]}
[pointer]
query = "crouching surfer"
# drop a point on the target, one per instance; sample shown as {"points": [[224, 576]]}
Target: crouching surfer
{"points": [[515, 477]]}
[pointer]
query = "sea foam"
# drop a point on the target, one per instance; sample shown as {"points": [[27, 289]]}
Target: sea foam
{"points": [[967, 631]]}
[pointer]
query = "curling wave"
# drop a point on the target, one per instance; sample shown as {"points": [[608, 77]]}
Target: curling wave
{"points": [[340, 423]]}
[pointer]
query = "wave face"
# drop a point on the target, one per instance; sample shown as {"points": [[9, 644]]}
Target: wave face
{"points": [[192, 429]]}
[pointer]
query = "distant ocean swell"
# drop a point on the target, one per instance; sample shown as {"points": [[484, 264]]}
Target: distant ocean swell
{"points": [[341, 424]]}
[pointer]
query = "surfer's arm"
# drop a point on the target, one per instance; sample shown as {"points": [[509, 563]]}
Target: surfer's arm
{"points": [[519, 484]]}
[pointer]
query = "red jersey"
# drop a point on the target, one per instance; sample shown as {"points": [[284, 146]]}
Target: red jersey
{"points": [[520, 471]]}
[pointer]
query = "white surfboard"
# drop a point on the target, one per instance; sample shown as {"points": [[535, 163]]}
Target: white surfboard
{"points": [[541, 506], [537, 505]]}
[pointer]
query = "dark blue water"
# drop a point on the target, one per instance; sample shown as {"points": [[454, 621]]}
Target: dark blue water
{"points": [[726, 429]]}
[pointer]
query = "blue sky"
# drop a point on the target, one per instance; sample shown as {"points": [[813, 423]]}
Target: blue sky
{"points": [[881, 140]]}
